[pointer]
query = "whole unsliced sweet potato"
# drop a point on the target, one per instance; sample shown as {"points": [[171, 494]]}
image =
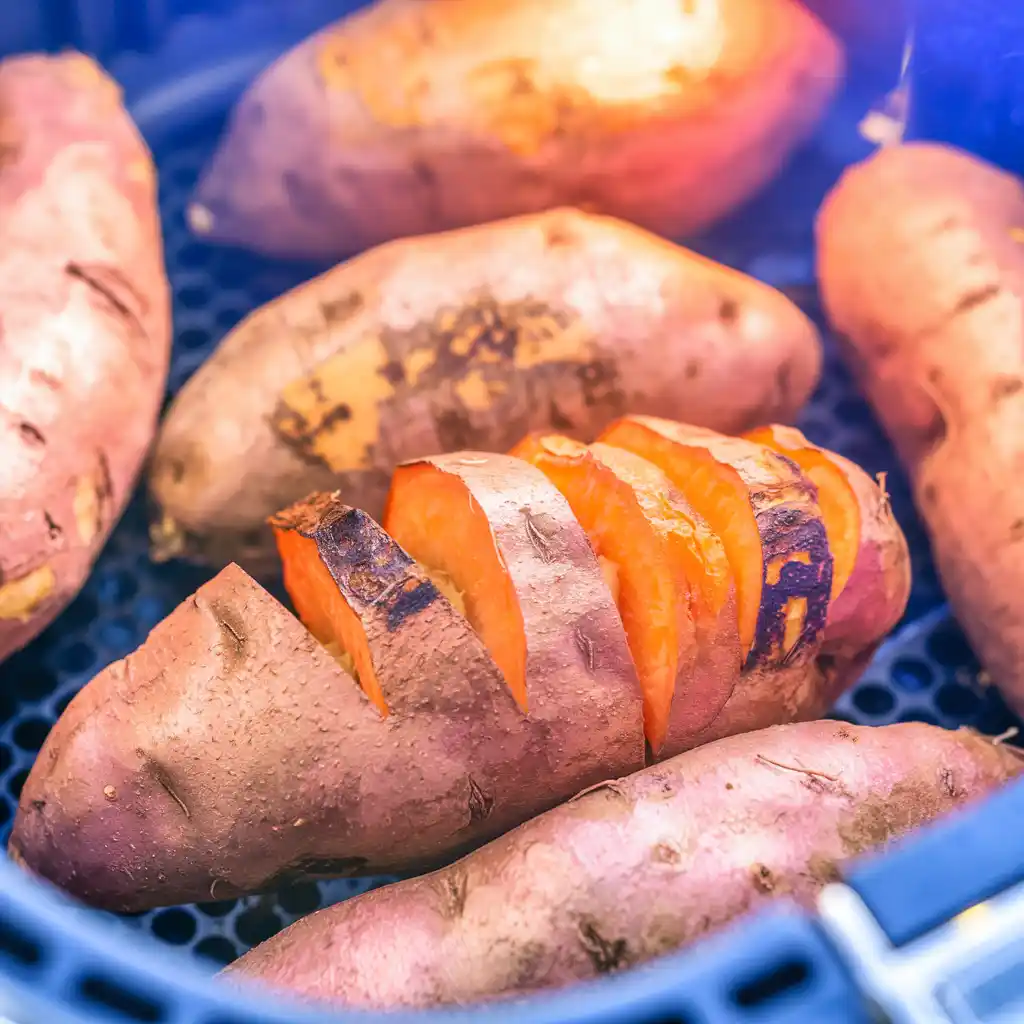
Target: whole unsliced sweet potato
{"points": [[84, 328], [515, 632], [921, 261], [632, 869], [415, 116], [467, 339]]}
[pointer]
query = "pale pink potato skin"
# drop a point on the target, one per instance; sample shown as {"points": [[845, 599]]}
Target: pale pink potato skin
{"points": [[231, 752], [471, 338], [921, 267], [407, 118], [84, 328], [634, 868]]}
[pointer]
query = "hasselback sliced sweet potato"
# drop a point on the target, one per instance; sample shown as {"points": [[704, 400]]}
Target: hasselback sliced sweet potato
{"points": [[673, 585], [635, 868], [494, 678]]}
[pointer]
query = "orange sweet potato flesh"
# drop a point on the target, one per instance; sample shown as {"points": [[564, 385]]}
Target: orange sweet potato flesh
{"points": [[321, 606], [429, 512], [840, 509], [719, 495]]}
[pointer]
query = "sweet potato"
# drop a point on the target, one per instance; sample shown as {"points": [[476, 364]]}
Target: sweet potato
{"points": [[493, 679], [632, 869], [84, 328], [922, 272], [469, 339], [409, 117], [669, 574]]}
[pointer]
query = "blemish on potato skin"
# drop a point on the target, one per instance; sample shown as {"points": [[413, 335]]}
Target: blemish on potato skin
{"points": [[606, 955], [31, 435], [21, 597], [480, 803], [763, 878], [410, 600]]}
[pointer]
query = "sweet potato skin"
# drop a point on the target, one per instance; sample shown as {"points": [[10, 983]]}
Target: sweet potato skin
{"points": [[253, 758], [922, 273], [84, 329], [468, 339], [634, 868], [408, 118]]}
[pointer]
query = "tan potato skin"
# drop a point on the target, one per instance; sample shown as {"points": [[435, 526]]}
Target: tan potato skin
{"points": [[467, 339], [258, 759], [634, 868], [410, 117], [84, 328], [921, 265]]}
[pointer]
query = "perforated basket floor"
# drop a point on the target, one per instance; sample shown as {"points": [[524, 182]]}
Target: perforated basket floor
{"points": [[925, 673]]}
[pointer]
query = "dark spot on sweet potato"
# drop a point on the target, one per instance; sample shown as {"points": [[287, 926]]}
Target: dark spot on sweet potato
{"points": [[666, 853], [599, 380], [115, 289], [729, 785], [1004, 387], [823, 870], [949, 785], [46, 379], [763, 878], [339, 310], [977, 297], [557, 418], [585, 646], [787, 531], [410, 600], [480, 803], [877, 819], [424, 173], [606, 955], [728, 310], [393, 372], [233, 631], [52, 528], [163, 778], [783, 380], [312, 868], [302, 197], [38, 806], [539, 533], [928, 494], [558, 234], [453, 886], [254, 114], [692, 370], [1016, 531], [31, 435]]}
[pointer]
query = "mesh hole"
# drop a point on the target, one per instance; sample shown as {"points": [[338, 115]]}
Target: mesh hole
{"points": [[193, 296], [194, 256], [175, 926], [117, 586], [61, 705], [957, 701], [912, 675], [302, 898], [113, 996], [76, 658], [30, 733], [766, 988], [873, 700], [34, 683], [5, 757], [948, 646], [17, 946], [216, 948], [194, 337], [257, 925]]}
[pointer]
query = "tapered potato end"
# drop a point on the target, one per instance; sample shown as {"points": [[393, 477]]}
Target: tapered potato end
{"points": [[134, 797]]}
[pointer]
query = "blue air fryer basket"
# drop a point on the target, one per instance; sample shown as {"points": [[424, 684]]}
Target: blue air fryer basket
{"points": [[182, 63]]}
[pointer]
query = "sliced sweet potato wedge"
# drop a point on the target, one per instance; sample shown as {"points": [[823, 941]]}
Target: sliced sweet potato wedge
{"points": [[871, 563], [506, 539], [766, 513]]}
